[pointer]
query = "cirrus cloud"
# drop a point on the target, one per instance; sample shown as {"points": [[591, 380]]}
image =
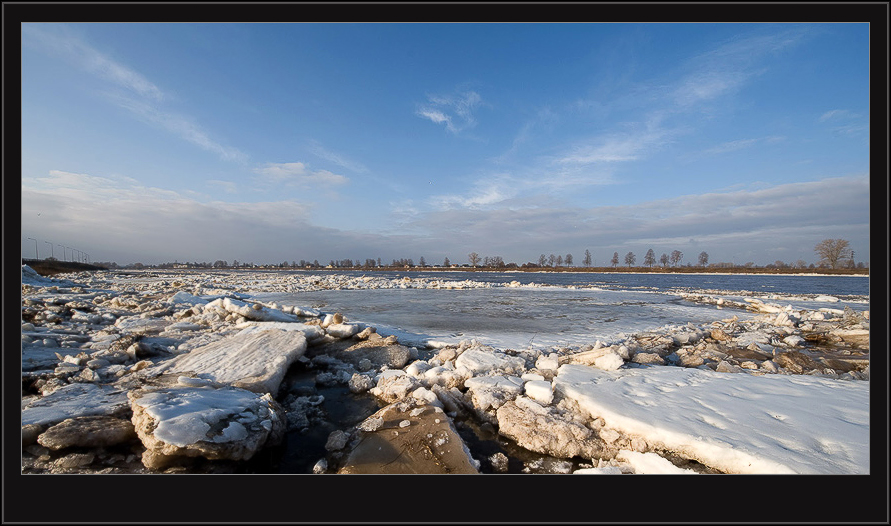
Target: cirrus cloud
{"points": [[455, 111]]}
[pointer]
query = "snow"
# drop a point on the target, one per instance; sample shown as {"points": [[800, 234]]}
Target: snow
{"points": [[186, 298], [185, 414], [73, 400], [480, 362], [737, 423], [253, 359], [539, 390], [31, 277], [608, 470], [650, 464]]}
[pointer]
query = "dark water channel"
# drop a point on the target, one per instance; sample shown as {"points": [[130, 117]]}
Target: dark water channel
{"points": [[342, 410]]}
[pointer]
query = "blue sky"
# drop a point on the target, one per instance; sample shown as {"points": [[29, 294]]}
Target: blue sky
{"points": [[156, 142]]}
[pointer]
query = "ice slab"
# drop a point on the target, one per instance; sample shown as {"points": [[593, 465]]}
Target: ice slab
{"points": [[737, 423], [73, 400], [256, 360]]}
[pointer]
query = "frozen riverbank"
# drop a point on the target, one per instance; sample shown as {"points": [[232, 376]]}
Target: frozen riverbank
{"points": [[197, 364]]}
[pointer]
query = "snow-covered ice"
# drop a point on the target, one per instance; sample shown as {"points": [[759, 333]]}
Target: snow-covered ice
{"points": [[256, 360], [737, 423]]}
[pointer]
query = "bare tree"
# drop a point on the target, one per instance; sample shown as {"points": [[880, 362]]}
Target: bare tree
{"points": [[447, 263], [588, 260], [422, 262], [615, 260], [630, 258], [703, 259], [474, 259], [834, 252], [559, 261], [552, 259], [663, 259], [542, 260], [568, 260], [676, 257], [650, 258]]}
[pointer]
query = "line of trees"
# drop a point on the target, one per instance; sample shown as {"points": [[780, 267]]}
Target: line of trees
{"points": [[832, 253]]}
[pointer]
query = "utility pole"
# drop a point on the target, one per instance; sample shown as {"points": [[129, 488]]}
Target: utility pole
{"points": [[36, 255], [52, 255]]}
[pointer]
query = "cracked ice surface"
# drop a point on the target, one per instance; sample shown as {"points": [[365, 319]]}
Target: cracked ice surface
{"points": [[736, 423]]}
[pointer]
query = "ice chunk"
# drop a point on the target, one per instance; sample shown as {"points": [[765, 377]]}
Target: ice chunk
{"points": [[651, 464], [539, 390]]}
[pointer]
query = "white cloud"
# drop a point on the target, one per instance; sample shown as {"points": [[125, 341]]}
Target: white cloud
{"points": [[455, 111], [298, 174], [795, 215], [113, 219], [438, 117], [481, 196]]}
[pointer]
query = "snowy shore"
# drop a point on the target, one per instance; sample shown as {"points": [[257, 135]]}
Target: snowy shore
{"points": [[154, 372]]}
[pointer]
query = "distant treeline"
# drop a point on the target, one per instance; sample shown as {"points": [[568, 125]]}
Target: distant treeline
{"points": [[688, 269], [835, 257]]}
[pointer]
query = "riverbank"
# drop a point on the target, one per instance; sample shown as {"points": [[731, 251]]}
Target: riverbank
{"points": [[641, 270], [52, 267]]}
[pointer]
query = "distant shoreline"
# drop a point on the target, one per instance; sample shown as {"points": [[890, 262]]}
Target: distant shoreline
{"points": [[49, 267]]}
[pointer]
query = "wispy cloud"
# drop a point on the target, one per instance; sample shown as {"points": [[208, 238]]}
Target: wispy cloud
{"points": [[844, 122], [297, 174], [228, 186], [323, 153], [61, 41], [656, 115], [740, 144], [140, 96], [616, 147], [525, 187], [727, 67], [483, 194], [180, 125], [455, 111], [836, 115]]}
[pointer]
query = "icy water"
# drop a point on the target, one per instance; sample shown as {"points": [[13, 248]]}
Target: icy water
{"points": [[572, 309]]}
